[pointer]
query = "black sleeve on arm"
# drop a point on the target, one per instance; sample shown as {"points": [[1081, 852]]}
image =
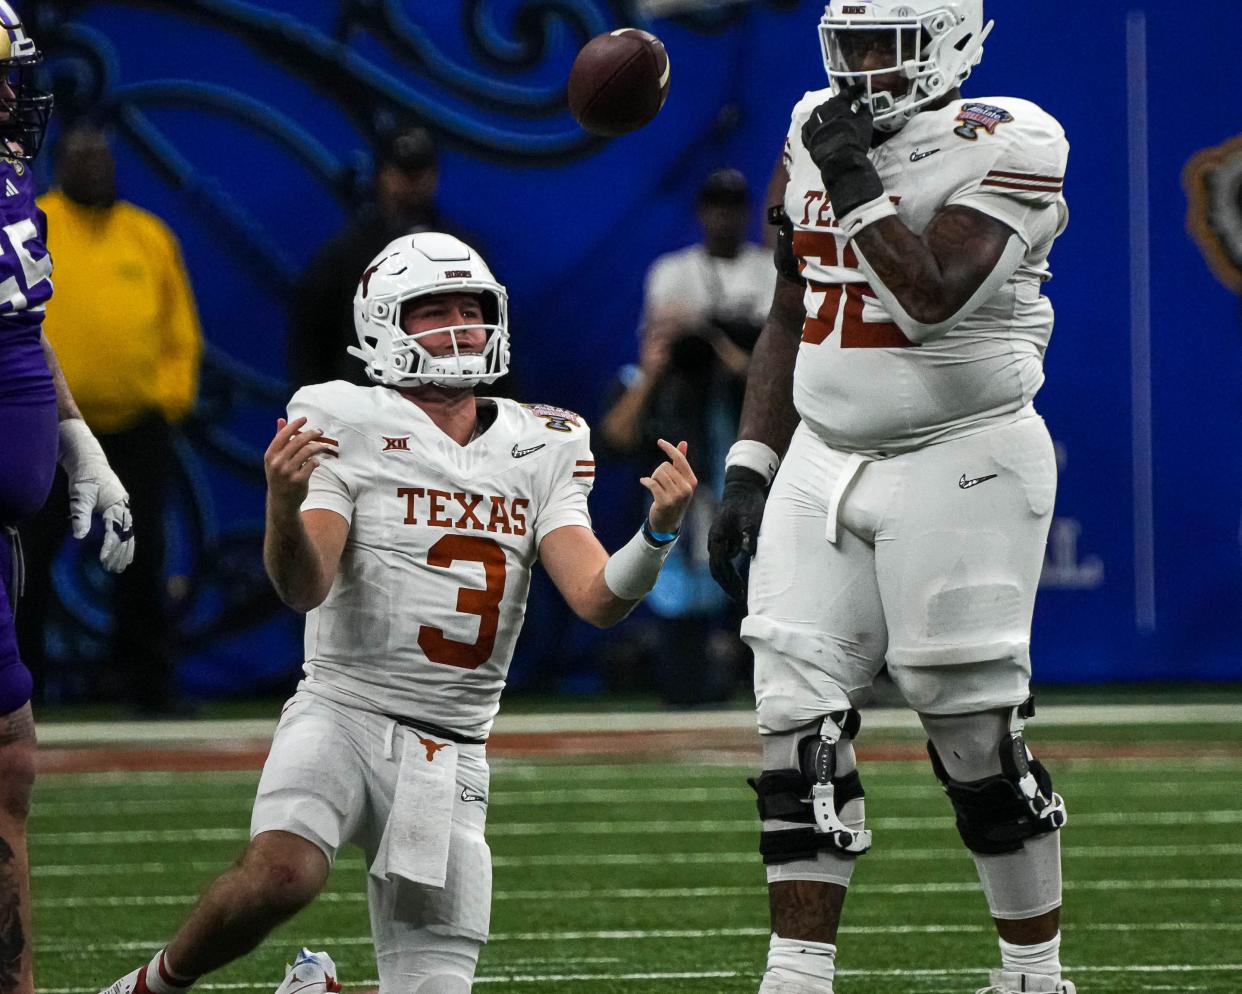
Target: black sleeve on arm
{"points": [[784, 259]]}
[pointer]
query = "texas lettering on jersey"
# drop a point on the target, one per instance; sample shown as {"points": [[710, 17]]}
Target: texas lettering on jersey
{"points": [[466, 512], [431, 591], [859, 383]]}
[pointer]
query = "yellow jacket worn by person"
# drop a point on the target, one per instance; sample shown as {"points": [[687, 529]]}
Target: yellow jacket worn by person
{"points": [[123, 320]]}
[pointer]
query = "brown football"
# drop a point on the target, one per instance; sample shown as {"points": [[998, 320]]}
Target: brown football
{"points": [[619, 82]]}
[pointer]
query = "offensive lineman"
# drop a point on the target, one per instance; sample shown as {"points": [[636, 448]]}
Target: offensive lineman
{"points": [[42, 425], [907, 522], [422, 512]]}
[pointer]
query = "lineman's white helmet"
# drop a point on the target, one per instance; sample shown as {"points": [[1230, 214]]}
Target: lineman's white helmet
{"points": [[936, 44], [417, 266]]}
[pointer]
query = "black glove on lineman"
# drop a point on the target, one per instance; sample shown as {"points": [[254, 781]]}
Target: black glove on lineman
{"points": [[839, 138], [736, 528]]}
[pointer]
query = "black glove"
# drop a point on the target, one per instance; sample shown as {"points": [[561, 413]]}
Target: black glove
{"points": [[736, 528], [839, 138]]}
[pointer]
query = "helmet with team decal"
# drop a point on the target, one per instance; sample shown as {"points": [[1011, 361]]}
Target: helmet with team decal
{"points": [[930, 44], [411, 269], [24, 108]]}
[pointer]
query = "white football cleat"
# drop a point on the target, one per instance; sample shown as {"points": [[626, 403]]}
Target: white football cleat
{"points": [[311, 973], [131, 983], [1005, 982]]}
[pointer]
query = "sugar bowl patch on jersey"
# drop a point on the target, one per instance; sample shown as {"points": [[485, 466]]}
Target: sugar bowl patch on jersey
{"points": [[431, 591], [975, 116]]}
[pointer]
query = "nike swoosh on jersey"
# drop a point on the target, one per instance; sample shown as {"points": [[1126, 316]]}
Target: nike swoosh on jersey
{"points": [[919, 156], [966, 484], [469, 795], [519, 453]]}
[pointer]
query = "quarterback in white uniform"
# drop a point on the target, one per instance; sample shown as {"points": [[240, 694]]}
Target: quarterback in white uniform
{"points": [[889, 410], [404, 519]]}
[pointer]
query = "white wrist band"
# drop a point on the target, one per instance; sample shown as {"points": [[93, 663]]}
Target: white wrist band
{"points": [[78, 446], [868, 213], [633, 569], [754, 455]]}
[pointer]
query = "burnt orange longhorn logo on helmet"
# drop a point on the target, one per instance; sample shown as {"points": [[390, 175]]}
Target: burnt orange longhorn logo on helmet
{"points": [[366, 277], [431, 746]]}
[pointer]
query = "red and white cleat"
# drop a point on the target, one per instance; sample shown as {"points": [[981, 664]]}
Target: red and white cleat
{"points": [[311, 973], [131, 983]]}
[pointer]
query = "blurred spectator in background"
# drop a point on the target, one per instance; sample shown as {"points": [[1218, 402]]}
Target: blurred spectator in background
{"points": [[321, 318], [124, 324], [703, 309]]}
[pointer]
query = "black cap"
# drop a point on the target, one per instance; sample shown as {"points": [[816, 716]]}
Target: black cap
{"points": [[724, 188], [409, 149]]}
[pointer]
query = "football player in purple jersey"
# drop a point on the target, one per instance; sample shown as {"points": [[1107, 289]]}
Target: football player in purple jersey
{"points": [[41, 425]]}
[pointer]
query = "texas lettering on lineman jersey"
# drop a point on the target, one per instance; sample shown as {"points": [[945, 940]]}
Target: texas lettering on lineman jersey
{"points": [[431, 591], [859, 383]]}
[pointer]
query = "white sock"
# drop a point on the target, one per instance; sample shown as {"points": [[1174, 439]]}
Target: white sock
{"points": [[161, 980], [1043, 958], [797, 967]]}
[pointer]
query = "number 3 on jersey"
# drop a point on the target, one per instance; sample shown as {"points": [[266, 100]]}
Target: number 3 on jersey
{"points": [[437, 646], [844, 299]]}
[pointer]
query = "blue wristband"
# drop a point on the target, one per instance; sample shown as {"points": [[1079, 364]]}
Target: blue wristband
{"points": [[659, 538]]}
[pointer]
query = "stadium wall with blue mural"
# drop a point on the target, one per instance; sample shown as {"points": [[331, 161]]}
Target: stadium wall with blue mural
{"points": [[249, 127]]}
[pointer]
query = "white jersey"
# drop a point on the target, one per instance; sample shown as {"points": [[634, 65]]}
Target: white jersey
{"points": [[859, 384], [702, 286], [430, 595]]}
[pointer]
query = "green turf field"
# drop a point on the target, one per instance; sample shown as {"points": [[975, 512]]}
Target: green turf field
{"points": [[641, 878]]}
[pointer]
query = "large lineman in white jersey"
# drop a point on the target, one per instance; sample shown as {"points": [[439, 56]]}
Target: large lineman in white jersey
{"points": [[431, 593], [863, 383], [911, 480], [956, 557]]}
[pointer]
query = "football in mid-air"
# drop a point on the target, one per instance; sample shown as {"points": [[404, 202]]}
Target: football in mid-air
{"points": [[619, 82]]}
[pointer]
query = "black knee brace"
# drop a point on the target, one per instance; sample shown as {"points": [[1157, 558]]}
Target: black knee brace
{"points": [[998, 814], [814, 796]]}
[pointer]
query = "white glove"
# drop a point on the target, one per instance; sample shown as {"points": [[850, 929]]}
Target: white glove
{"points": [[93, 486]]}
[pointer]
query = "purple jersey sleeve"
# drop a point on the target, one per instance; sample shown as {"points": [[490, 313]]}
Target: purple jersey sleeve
{"points": [[25, 287]]}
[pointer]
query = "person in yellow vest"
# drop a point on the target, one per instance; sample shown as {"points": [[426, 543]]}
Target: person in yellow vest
{"points": [[124, 324]]}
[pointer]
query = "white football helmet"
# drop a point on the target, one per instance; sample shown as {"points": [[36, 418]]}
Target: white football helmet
{"points": [[416, 266], [936, 44]]}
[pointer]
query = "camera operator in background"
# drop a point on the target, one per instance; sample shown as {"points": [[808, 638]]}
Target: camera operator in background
{"points": [[703, 309]]}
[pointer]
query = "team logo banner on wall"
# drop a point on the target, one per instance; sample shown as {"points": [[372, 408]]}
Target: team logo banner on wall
{"points": [[1213, 181]]}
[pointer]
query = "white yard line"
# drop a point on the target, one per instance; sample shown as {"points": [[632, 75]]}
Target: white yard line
{"points": [[639, 827], [1140, 767], [66, 947], [59, 734], [664, 893], [555, 978], [572, 795], [1072, 853]]}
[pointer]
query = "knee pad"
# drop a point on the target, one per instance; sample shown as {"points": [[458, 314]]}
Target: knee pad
{"points": [[812, 797], [997, 814], [428, 962]]}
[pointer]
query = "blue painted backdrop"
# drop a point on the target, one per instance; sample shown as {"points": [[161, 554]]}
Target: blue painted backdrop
{"points": [[248, 126]]}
